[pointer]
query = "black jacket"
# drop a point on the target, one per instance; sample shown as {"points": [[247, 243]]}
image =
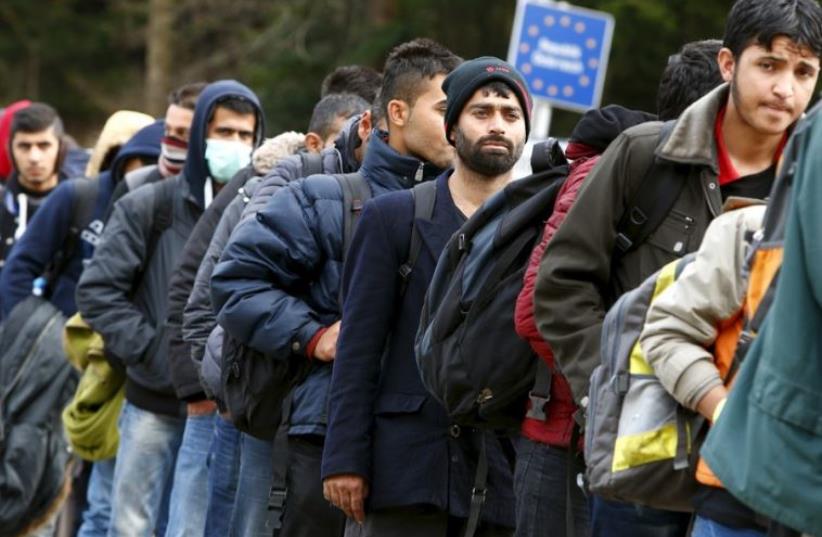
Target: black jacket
{"points": [[133, 323]]}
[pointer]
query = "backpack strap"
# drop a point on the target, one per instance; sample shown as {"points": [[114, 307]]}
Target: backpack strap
{"points": [[425, 195], [479, 490], [163, 212], [278, 493], [356, 191], [312, 163], [752, 327], [652, 202], [82, 211]]}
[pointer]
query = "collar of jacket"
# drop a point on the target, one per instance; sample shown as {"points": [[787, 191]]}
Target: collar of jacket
{"points": [[692, 140], [385, 166]]}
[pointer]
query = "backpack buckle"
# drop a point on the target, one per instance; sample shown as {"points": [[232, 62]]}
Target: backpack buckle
{"points": [[537, 410], [623, 382], [276, 498], [623, 243]]}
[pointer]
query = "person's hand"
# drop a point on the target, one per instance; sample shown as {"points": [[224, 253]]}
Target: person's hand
{"points": [[348, 493], [326, 348]]}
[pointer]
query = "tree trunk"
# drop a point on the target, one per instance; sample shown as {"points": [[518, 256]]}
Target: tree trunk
{"points": [[158, 55]]}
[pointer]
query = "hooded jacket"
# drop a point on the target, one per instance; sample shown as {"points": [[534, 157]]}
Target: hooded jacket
{"points": [[123, 294], [119, 128], [6, 115], [48, 230], [183, 375], [278, 280], [591, 136], [199, 319]]}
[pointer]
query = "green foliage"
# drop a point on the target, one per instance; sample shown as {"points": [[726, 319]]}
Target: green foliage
{"points": [[87, 57]]}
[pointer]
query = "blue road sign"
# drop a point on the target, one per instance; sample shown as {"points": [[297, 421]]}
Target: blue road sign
{"points": [[562, 51]]}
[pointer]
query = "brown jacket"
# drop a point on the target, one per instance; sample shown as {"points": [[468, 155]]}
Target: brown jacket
{"points": [[578, 279]]}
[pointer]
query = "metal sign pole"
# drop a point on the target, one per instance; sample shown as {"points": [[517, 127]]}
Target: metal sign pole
{"points": [[541, 120]]}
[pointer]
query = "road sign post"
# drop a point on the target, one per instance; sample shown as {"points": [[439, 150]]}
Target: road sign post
{"points": [[562, 52]]}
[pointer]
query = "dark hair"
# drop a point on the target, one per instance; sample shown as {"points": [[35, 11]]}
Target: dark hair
{"points": [[238, 105], [690, 74], [186, 95], [36, 117], [357, 79], [761, 21], [409, 65], [334, 106]]}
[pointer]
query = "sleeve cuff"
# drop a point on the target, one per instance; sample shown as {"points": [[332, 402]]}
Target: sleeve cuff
{"points": [[312, 343]]}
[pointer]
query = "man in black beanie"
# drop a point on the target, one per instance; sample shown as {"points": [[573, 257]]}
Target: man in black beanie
{"points": [[393, 462]]}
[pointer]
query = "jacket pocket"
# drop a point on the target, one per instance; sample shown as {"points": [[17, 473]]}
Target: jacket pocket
{"points": [[674, 234], [398, 403], [787, 400]]}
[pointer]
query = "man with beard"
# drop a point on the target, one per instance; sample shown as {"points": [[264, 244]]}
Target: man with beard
{"points": [[388, 440], [725, 144]]}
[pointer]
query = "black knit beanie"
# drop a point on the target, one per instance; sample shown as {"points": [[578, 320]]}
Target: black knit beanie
{"points": [[460, 85]]}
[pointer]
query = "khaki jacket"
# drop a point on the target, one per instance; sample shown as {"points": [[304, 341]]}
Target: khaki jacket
{"points": [[683, 323]]}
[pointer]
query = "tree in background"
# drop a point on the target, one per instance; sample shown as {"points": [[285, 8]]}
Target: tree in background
{"points": [[91, 57]]}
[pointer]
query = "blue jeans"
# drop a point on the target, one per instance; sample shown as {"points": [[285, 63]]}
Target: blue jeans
{"points": [[705, 527], [223, 474], [143, 472], [188, 504], [541, 490], [97, 515], [256, 469], [616, 519]]}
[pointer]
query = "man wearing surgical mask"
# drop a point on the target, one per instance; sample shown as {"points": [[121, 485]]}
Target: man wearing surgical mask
{"points": [[123, 295]]}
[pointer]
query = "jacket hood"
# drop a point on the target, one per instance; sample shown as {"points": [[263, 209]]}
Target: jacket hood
{"points": [[144, 144], [599, 127], [5, 129], [196, 169], [119, 128], [347, 141], [275, 149], [384, 166]]}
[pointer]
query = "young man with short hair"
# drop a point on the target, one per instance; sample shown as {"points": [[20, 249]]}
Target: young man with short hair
{"points": [[276, 287], [123, 295], [36, 140], [356, 79], [379, 411], [725, 144]]}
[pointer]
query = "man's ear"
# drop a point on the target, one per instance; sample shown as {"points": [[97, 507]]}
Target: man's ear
{"points": [[397, 113], [727, 63], [365, 126], [313, 142]]}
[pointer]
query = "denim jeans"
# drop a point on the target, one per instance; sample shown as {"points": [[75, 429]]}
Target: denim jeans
{"points": [[97, 516], [541, 490], [188, 504], [143, 472], [705, 527], [616, 519], [251, 506], [223, 474]]}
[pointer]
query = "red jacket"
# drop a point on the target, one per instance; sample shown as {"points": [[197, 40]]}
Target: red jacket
{"points": [[558, 425]]}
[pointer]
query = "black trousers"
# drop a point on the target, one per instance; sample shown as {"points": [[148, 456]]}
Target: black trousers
{"points": [[307, 513], [417, 522]]}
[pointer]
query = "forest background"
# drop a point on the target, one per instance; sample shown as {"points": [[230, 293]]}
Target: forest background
{"points": [[89, 58]]}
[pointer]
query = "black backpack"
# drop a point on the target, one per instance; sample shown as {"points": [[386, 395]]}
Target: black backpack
{"points": [[36, 382], [469, 355]]}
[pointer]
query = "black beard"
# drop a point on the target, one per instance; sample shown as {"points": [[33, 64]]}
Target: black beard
{"points": [[484, 163]]}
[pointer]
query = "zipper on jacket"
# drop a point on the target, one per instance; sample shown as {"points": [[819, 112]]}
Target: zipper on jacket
{"points": [[419, 175]]}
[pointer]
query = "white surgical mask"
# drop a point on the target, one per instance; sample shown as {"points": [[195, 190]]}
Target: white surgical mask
{"points": [[225, 158]]}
